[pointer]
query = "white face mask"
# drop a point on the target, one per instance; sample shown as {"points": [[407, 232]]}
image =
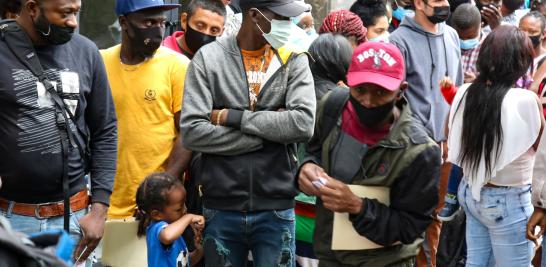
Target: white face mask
{"points": [[281, 31], [381, 38]]}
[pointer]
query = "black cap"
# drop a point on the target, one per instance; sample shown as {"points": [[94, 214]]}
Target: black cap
{"points": [[285, 8]]}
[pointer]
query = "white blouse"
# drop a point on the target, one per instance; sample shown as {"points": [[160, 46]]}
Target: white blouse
{"points": [[520, 121]]}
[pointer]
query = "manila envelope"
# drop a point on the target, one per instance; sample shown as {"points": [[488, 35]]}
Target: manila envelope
{"points": [[344, 235], [121, 245]]}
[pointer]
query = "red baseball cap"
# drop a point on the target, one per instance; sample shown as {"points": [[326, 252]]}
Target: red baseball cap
{"points": [[379, 63]]}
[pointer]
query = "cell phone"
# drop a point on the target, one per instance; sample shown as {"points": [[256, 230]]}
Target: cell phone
{"points": [[493, 5], [320, 182]]}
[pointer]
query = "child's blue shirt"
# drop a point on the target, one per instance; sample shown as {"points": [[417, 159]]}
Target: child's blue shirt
{"points": [[159, 255]]}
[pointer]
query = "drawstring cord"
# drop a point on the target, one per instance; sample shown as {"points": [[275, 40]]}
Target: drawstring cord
{"points": [[433, 66]]}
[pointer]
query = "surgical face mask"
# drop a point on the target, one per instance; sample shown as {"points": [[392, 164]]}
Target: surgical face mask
{"points": [[469, 44], [371, 117], [399, 13], [441, 13], [53, 34], [381, 38], [280, 33], [535, 40], [312, 33], [145, 41], [195, 39]]}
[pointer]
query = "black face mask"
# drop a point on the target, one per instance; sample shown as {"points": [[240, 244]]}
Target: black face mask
{"points": [[195, 39], [53, 34], [370, 117], [146, 41], [441, 13], [535, 40]]}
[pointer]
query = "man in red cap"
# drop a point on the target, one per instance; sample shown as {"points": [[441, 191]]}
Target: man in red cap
{"points": [[368, 136], [248, 100]]}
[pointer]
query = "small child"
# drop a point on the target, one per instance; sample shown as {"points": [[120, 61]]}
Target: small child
{"points": [[163, 218]]}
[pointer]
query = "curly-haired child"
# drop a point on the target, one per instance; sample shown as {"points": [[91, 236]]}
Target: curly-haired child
{"points": [[163, 218]]}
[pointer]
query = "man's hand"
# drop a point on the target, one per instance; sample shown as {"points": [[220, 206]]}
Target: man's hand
{"points": [[92, 225], [310, 172], [446, 82], [492, 16], [337, 197], [537, 219], [222, 119], [469, 77]]}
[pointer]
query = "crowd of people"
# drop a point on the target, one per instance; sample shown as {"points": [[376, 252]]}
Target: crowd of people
{"points": [[242, 138]]}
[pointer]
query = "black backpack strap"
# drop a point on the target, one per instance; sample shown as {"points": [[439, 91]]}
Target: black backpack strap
{"points": [[21, 46], [329, 112]]}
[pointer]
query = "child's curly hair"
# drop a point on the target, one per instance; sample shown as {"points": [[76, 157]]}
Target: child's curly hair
{"points": [[152, 195]]}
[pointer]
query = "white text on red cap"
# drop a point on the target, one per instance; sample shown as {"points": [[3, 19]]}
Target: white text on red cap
{"points": [[381, 54]]}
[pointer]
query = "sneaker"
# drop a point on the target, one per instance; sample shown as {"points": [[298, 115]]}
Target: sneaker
{"points": [[451, 206]]}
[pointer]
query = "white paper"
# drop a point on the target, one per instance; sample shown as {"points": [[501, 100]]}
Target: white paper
{"points": [[344, 235], [121, 246]]}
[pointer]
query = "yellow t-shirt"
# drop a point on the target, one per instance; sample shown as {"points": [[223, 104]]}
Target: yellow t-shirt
{"points": [[147, 97]]}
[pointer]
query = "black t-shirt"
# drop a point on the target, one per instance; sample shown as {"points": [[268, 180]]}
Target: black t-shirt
{"points": [[31, 160]]}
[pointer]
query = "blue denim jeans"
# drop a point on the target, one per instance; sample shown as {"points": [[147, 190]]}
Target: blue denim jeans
{"points": [[32, 225], [230, 235], [495, 226]]}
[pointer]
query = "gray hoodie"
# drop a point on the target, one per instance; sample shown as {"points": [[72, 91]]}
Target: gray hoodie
{"points": [[427, 56]]}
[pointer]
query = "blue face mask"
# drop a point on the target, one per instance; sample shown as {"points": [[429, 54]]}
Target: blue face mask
{"points": [[312, 33], [399, 13], [469, 44]]}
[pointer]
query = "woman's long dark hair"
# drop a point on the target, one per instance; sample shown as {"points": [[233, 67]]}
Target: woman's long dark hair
{"points": [[152, 194], [504, 57], [331, 55]]}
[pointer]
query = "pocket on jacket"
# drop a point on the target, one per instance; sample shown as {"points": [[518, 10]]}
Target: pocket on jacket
{"points": [[274, 172], [223, 176]]}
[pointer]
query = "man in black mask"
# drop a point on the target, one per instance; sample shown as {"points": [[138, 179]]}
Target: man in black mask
{"points": [[201, 23], [147, 82], [431, 52], [495, 13], [368, 136], [35, 151]]}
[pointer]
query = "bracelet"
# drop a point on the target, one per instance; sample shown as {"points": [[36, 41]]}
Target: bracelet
{"points": [[219, 116]]}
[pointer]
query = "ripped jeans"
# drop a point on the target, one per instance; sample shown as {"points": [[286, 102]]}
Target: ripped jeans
{"points": [[230, 235], [496, 225]]}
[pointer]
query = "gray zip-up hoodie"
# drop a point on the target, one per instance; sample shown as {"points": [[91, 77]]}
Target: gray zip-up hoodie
{"points": [[428, 57], [250, 163]]}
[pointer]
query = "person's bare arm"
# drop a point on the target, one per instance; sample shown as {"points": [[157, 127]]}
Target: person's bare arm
{"points": [[538, 76], [174, 230], [180, 157]]}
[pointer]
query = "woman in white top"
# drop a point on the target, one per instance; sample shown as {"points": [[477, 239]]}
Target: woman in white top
{"points": [[494, 134]]}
